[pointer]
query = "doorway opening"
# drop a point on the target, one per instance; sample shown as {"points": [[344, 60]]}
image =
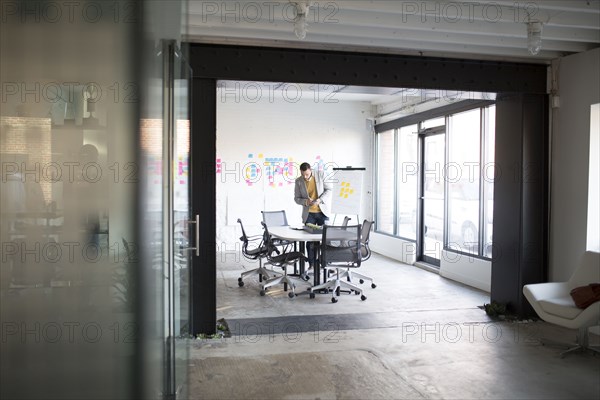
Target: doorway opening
{"points": [[264, 131]]}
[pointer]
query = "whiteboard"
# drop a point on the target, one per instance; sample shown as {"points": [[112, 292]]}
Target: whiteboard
{"points": [[347, 192]]}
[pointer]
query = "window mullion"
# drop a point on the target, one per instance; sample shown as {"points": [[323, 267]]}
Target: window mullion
{"points": [[482, 198], [395, 182]]}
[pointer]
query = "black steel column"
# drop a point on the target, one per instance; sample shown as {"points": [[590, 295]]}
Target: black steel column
{"points": [[203, 151], [520, 253]]}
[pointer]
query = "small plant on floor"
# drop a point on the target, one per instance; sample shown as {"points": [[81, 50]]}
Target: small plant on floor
{"points": [[222, 331], [495, 309]]}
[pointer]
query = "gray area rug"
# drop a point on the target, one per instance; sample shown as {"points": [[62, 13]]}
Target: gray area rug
{"points": [[342, 322]]}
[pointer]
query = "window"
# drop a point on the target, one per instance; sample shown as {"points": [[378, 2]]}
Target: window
{"points": [[489, 174], [593, 229], [462, 219], [462, 173], [407, 181], [385, 182]]}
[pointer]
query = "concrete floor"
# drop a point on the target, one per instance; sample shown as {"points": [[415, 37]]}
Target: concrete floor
{"points": [[417, 335]]}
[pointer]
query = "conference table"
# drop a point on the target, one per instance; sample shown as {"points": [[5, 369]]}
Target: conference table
{"points": [[302, 237]]}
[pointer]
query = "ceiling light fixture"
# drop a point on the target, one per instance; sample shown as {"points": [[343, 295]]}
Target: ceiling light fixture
{"points": [[300, 23], [534, 37]]}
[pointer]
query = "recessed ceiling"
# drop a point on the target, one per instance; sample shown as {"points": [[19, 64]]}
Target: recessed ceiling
{"points": [[459, 29], [387, 103]]}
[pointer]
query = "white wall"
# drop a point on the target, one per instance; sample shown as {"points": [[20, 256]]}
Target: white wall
{"points": [[398, 249], [458, 267], [579, 88], [251, 130], [466, 269]]}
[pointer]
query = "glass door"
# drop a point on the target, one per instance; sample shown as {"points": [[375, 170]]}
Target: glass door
{"points": [[184, 225], [167, 227], [433, 150], [179, 226]]}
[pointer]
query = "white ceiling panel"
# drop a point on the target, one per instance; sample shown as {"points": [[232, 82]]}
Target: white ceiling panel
{"points": [[494, 30]]}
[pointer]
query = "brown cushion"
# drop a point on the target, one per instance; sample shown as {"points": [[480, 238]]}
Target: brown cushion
{"points": [[584, 296]]}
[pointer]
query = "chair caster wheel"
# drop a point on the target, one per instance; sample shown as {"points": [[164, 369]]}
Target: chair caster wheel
{"points": [[291, 295], [373, 285], [311, 295], [262, 292], [357, 293], [334, 300], [240, 283], [361, 281], [239, 279], [363, 297], [305, 278]]}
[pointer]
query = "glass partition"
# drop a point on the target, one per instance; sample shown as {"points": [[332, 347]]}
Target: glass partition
{"points": [[69, 263], [184, 224]]}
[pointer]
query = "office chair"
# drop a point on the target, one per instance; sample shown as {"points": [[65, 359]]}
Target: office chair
{"points": [[553, 303], [274, 218], [365, 253], [253, 248], [340, 249], [329, 270], [280, 259]]}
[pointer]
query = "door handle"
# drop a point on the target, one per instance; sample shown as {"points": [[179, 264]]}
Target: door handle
{"points": [[195, 221]]}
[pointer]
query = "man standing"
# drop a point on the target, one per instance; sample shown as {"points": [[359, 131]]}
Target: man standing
{"points": [[313, 194]]}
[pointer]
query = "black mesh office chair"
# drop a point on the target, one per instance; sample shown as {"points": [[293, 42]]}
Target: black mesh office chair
{"points": [[365, 253], [254, 248], [340, 249], [310, 271], [280, 259], [275, 218]]}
